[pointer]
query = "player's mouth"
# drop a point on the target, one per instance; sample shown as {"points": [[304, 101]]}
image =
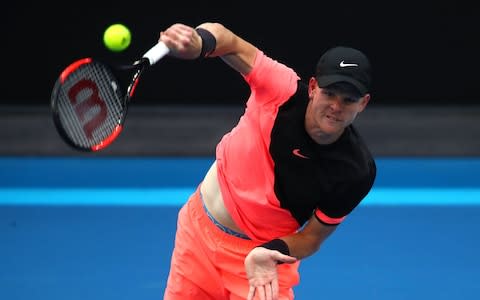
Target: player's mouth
{"points": [[333, 118]]}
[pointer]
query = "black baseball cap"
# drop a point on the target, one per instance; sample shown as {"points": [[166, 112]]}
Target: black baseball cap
{"points": [[344, 64]]}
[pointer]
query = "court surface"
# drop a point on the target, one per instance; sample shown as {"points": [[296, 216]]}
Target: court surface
{"points": [[103, 228]]}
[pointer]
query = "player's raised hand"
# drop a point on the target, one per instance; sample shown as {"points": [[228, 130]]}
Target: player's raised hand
{"points": [[182, 40]]}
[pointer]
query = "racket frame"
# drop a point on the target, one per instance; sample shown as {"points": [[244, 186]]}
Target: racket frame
{"points": [[151, 57]]}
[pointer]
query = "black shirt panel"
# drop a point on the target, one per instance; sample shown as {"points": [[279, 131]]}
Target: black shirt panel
{"points": [[333, 178]]}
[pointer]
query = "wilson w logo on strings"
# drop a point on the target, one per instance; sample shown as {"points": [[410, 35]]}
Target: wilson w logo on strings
{"points": [[84, 107]]}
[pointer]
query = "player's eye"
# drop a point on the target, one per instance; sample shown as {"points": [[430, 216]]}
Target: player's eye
{"points": [[350, 99], [329, 93]]}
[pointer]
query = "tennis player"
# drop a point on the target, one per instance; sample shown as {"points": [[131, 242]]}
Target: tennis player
{"points": [[284, 177]]}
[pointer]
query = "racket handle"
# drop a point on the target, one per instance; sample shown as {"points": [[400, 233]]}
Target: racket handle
{"points": [[156, 53]]}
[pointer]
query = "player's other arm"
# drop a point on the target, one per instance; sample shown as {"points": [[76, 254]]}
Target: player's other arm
{"points": [[261, 261], [307, 241], [298, 245], [234, 50]]}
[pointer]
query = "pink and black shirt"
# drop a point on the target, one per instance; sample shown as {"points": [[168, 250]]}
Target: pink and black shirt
{"points": [[272, 175]]}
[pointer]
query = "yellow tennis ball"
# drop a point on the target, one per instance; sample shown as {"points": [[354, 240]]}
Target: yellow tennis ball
{"points": [[117, 37]]}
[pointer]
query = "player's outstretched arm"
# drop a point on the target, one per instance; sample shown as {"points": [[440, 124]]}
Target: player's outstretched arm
{"points": [[234, 50], [185, 42]]}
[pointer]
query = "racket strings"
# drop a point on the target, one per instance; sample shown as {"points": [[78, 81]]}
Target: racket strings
{"points": [[90, 105]]}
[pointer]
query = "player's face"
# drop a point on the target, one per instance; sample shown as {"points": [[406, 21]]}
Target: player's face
{"points": [[329, 112]]}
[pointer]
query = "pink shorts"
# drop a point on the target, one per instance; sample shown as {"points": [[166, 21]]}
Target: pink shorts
{"points": [[208, 263]]}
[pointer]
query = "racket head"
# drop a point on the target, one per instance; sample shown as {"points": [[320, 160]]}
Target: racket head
{"points": [[88, 105]]}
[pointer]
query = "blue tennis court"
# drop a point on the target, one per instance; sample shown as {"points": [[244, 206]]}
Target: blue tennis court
{"points": [[103, 228]]}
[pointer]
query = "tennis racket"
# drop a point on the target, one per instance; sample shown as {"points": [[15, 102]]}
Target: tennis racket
{"points": [[89, 102]]}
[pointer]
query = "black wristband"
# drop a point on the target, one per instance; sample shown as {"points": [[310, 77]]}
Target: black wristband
{"points": [[277, 244], [209, 42]]}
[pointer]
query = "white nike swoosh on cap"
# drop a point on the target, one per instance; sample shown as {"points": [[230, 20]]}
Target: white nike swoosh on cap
{"points": [[343, 64]]}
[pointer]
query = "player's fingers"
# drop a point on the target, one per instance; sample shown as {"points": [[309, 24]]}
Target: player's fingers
{"points": [[261, 292], [275, 289], [284, 258], [251, 293], [177, 34], [268, 292]]}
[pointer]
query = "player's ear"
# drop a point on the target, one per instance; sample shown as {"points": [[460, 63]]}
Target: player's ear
{"points": [[312, 85], [364, 102]]}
